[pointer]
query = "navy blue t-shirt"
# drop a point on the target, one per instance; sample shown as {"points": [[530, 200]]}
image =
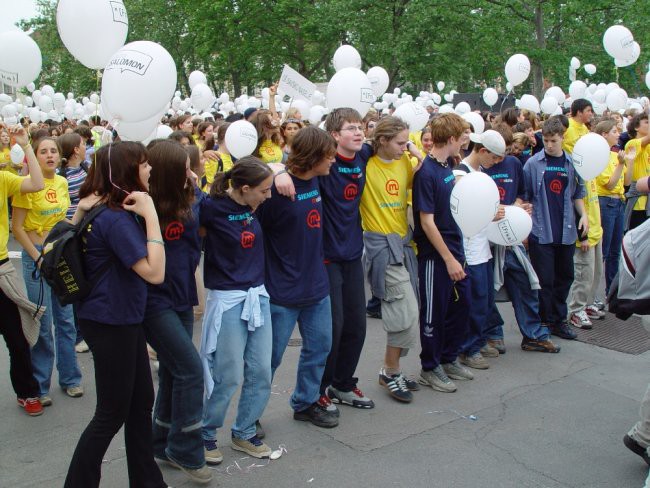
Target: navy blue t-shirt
{"points": [[293, 241], [341, 192], [509, 178], [432, 186], [183, 253], [120, 295], [539, 143], [234, 247], [556, 180]]}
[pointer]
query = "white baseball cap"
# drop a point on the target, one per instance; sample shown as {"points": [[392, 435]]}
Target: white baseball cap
{"points": [[491, 140]]}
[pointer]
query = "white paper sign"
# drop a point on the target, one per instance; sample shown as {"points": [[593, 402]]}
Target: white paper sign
{"points": [[295, 85]]}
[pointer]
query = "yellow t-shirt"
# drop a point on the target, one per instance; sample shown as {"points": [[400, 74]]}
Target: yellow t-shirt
{"points": [[383, 201], [5, 158], [9, 187], [592, 207], [271, 152], [641, 167], [575, 131], [416, 138], [46, 207], [603, 178], [211, 167]]}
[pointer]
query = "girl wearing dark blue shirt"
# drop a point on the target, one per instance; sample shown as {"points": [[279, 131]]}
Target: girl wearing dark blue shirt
{"points": [[123, 257]]}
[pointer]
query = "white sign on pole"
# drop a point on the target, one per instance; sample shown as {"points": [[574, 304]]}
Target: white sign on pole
{"points": [[295, 85]]}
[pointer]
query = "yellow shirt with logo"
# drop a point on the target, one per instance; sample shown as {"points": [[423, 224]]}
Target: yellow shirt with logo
{"points": [[9, 187], [641, 166], [211, 167], [384, 198], [416, 138], [603, 178], [270, 152], [575, 131], [592, 207], [5, 158], [46, 207]]}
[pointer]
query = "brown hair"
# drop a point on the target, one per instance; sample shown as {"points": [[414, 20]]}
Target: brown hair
{"points": [[510, 116], [310, 146], [195, 157], [505, 131], [388, 128], [445, 126], [604, 126], [248, 170], [553, 127], [37, 142], [263, 122], [221, 132], [337, 118], [168, 185], [115, 172], [68, 143]]}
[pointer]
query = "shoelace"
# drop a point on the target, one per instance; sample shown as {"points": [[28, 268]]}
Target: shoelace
{"points": [[324, 401], [357, 392], [400, 381], [210, 445]]}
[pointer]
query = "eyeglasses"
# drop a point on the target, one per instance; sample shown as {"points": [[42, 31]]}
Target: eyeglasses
{"points": [[353, 128]]}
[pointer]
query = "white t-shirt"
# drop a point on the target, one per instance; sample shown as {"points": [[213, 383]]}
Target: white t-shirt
{"points": [[477, 248]]}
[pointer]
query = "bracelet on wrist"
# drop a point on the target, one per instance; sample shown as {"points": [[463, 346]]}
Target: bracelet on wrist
{"points": [[156, 241]]}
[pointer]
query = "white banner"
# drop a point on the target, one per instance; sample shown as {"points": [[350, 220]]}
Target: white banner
{"points": [[295, 85]]}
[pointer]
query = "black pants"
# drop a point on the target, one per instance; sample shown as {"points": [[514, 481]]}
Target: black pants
{"points": [[20, 362], [124, 397], [553, 264], [348, 301], [637, 218]]}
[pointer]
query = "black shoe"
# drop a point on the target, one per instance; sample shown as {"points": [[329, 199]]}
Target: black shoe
{"points": [[396, 387], [259, 430], [562, 330], [538, 345], [411, 384], [373, 314], [634, 446], [318, 416]]}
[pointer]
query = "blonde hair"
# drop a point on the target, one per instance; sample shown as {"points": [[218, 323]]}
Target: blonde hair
{"points": [[388, 128]]}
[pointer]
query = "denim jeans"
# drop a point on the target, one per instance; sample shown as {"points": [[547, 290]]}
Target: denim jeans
{"points": [[480, 279], [179, 403], [315, 324], [612, 219], [240, 353], [65, 334], [525, 303]]}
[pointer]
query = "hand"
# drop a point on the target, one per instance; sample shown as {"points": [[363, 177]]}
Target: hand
{"points": [[583, 225], [86, 203], [192, 177], [284, 185], [415, 152], [455, 270], [630, 155], [501, 213], [210, 154], [273, 90], [621, 157], [528, 207], [140, 203], [584, 246], [19, 134]]}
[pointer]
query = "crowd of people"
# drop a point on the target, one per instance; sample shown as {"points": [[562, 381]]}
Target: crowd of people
{"points": [[292, 234]]}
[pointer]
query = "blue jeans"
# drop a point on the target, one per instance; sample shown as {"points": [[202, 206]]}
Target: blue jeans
{"points": [[480, 279], [179, 403], [315, 324], [65, 334], [612, 219], [240, 353], [525, 302]]}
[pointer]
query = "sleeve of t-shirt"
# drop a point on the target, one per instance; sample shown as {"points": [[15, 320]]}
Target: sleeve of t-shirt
{"points": [[521, 187], [580, 191], [423, 195], [366, 152], [22, 200], [528, 182], [603, 178], [127, 240], [11, 183]]}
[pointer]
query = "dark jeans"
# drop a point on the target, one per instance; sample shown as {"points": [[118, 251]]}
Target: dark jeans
{"points": [[553, 264], [481, 279], [20, 362], [179, 403], [124, 398], [348, 324], [612, 217]]}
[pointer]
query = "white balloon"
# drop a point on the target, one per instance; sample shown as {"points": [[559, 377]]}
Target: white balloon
{"points": [[600, 96], [490, 96], [34, 114], [446, 108], [379, 79], [94, 98], [610, 87], [80, 21], [590, 155], [17, 154], [618, 41], [31, 87], [68, 112], [548, 105], [647, 80], [599, 108], [346, 56], [196, 78], [517, 69], [350, 87], [54, 115], [617, 100], [5, 99], [512, 229], [590, 69], [474, 202], [415, 116], [575, 63], [462, 108], [302, 106], [202, 96], [138, 81], [440, 85], [316, 114], [241, 138], [478, 124], [29, 102], [163, 131], [140, 130], [397, 91], [436, 98], [577, 89], [59, 100], [634, 56], [449, 97], [9, 110], [224, 98], [45, 103], [557, 93], [20, 59], [91, 108], [530, 103], [509, 86], [47, 90]]}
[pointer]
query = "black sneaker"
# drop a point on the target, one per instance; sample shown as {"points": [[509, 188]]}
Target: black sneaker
{"points": [[562, 330], [318, 416], [411, 384], [373, 314], [539, 345], [634, 446], [396, 386]]}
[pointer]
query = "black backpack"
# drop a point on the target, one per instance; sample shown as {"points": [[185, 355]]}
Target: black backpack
{"points": [[62, 264]]}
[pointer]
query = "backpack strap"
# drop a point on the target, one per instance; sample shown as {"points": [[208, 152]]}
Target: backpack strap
{"points": [[85, 166], [88, 218]]}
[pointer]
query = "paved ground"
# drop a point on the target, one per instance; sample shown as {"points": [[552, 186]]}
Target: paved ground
{"points": [[542, 421]]}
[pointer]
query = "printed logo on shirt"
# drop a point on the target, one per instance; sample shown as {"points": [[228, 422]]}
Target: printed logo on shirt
{"points": [[556, 186], [247, 239], [174, 230], [246, 217], [350, 192], [313, 219], [392, 187], [314, 195], [50, 196], [502, 192]]}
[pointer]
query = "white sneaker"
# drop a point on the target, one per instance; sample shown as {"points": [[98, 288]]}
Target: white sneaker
{"points": [[581, 320], [81, 347]]}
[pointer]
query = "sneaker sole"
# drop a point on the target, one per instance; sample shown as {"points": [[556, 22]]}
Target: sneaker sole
{"points": [[258, 455], [445, 389], [582, 326], [188, 472], [213, 461], [540, 349], [632, 445], [392, 395], [458, 377], [306, 418]]}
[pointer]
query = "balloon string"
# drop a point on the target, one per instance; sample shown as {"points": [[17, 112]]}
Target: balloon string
{"points": [[504, 100], [98, 74], [639, 92]]}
